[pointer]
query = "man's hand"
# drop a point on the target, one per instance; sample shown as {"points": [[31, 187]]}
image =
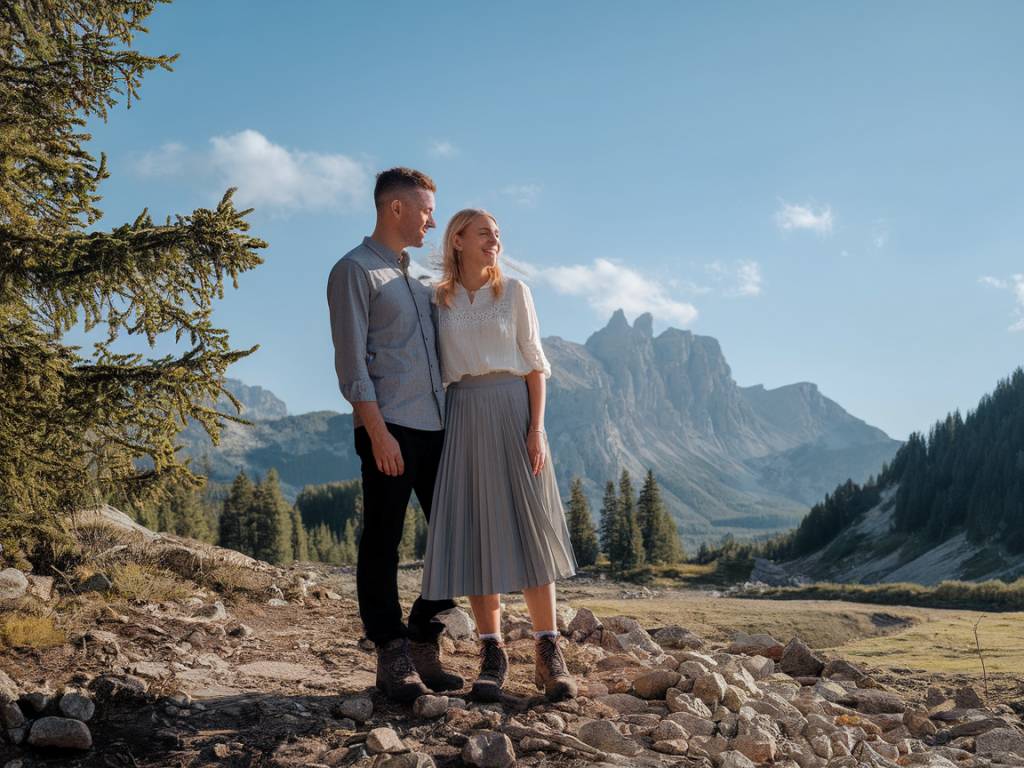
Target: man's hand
{"points": [[387, 453]]}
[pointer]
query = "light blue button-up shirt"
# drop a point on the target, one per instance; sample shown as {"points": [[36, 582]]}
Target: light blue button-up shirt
{"points": [[385, 342]]}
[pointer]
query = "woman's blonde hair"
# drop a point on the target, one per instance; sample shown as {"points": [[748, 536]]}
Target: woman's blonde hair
{"points": [[451, 262]]}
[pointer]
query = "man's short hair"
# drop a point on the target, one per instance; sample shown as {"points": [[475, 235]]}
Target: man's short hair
{"points": [[397, 180]]}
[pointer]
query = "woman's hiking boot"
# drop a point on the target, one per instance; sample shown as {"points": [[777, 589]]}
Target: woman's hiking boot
{"points": [[493, 670], [552, 673], [426, 657], [396, 674]]}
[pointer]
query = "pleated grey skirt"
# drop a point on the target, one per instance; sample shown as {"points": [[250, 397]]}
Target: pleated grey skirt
{"points": [[494, 527]]}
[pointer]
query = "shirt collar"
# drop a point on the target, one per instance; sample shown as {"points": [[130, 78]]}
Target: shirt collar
{"points": [[393, 259]]}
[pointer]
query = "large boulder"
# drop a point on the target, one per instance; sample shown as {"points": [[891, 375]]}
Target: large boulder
{"points": [[60, 733], [13, 584], [489, 749], [800, 661], [755, 645]]}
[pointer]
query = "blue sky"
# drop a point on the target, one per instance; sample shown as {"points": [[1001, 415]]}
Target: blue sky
{"points": [[833, 191]]}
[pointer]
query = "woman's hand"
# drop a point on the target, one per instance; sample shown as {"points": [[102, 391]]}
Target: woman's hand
{"points": [[537, 450]]}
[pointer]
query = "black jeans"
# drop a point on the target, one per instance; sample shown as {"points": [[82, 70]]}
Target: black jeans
{"points": [[384, 504]]}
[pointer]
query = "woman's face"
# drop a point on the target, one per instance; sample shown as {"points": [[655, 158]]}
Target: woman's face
{"points": [[479, 244]]}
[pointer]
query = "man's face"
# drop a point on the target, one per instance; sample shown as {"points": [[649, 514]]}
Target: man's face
{"points": [[416, 216]]}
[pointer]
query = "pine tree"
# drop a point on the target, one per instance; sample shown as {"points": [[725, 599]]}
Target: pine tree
{"points": [[76, 427], [660, 535], [271, 521], [300, 537], [235, 518], [632, 541], [581, 526], [610, 539]]}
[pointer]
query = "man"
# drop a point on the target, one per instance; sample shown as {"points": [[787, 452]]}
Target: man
{"points": [[385, 354]]}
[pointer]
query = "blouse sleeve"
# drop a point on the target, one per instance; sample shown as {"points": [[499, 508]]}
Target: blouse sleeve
{"points": [[528, 331]]}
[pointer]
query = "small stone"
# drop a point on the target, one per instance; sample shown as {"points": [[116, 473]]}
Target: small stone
{"points": [[60, 733], [77, 706], [555, 721], [457, 624], [733, 759], [918, 723], [488, 749], [151, 669], [583, 624], [875, 702], [800, 661], [759, 748], [734, 698], [11, 716], [241, 630], [277, 602], [934, 696], [41, 587], [841, 669], [98, 582], [755, 645], [623, 703], [667, 730], [13, 584], [1000, 740], [429, 707], [969, 697], [384, 740], [671, 746], [213, 612], [8, 689], [222, 751], [654, 684], [709, 688], [408, 760], [603, 735], [674, 636], [759, 667], [692, 724], [358, 708]]}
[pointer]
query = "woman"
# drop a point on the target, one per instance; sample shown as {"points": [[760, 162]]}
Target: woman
{"points": [[498, 524]]}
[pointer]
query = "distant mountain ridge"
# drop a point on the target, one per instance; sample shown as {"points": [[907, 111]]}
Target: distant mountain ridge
{"points": [[745, 460], [950, 505]]}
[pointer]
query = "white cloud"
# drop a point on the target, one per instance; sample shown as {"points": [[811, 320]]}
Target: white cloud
{"points": [[266, 174], [749, 278], [169, 160], [524, 194], [790, 217], [743, 278], [1015, 285], [607, 286], [993, 282], [443, 149], [269, 174]]}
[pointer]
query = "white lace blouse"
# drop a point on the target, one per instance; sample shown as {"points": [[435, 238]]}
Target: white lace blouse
{"points": [[488, 335]]}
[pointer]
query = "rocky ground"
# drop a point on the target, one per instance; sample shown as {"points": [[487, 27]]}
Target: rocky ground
{"points": [[277, 676]]}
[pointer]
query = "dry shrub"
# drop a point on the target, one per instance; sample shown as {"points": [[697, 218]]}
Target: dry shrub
{"points": [[26, 631], [147, 584], [235, 581]]}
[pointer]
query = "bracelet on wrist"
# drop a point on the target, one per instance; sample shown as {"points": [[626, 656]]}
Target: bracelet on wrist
{"points": [[537, 429]]}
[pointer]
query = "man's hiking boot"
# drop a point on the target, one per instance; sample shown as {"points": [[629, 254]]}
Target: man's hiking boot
{"points": [[426, 657], [396, 674], [493, 670], [552, 674]]}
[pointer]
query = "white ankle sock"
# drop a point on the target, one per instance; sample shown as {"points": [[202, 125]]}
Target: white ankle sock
{"points": [[491, 636], [546, 633]]}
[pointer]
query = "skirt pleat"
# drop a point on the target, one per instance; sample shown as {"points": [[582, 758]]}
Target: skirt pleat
{"points": [[494, 526]]}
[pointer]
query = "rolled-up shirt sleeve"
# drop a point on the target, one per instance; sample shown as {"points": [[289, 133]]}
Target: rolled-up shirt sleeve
{"points": [[348, 297], [528, 331]]}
